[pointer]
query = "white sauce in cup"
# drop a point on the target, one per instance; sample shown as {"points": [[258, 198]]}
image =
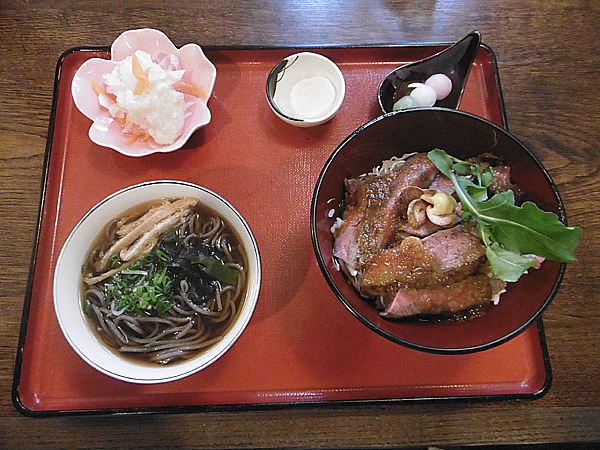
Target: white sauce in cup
{"points": [[312, 97]]}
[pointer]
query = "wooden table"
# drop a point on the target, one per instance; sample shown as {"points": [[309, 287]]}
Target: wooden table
{"points": [[548, 62]]}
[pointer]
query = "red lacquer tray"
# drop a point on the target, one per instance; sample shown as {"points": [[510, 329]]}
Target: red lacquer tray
{"points": [[301, 345]]}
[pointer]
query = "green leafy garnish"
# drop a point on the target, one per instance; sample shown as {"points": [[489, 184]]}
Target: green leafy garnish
{"points": [[143, 288], [147, 286], [197, 256], [216, 268], [512, 234]]}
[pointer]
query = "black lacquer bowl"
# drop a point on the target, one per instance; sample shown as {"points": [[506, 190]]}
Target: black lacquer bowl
{"points": [[462, 135]]}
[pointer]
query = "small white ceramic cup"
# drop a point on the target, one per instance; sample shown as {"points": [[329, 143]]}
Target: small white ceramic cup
{"points": [[305, 89]]}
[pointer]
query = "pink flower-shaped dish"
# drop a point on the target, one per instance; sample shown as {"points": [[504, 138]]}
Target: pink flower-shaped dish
{"points": [[198, 72]]}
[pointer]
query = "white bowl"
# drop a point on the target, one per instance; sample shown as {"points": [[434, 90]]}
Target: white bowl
{"points": [[67, 279], [305, 89], [105, 130]]}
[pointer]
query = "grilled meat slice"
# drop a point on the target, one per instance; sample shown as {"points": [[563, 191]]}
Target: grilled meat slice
{"points": [[359, 193], [472, 291], [501, 181], [387, 198], [374, 207], [445, 256]]}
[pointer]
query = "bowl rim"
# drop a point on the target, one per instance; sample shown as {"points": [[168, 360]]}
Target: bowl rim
{"points": [[154, 374], [415, 346]]}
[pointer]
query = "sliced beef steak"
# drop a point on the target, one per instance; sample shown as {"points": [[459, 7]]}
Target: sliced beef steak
{"points": [[374, 206], [501, 181], [396, 249], [445, 256], [467, 293], [387, 203], [345, 247]]}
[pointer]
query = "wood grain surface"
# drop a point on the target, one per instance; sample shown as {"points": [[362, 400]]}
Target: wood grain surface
{"points": [[548, 60]]}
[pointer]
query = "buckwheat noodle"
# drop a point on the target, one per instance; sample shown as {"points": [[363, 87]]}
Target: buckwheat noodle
{"points": [[186, 328]]}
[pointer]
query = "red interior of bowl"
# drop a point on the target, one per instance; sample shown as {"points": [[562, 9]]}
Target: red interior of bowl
{"points": [[462, 135]]}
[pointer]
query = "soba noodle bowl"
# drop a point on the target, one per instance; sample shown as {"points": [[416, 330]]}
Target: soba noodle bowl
{"points": [[164, 281]]}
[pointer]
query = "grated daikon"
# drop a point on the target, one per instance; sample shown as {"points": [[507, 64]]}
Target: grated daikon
{"points": [[145, 99]]}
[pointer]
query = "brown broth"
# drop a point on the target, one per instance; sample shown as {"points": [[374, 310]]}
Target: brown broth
{"points": [[102, 243]]}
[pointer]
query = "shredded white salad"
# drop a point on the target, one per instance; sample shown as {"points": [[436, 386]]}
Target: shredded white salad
{"points": [[147, 96]]}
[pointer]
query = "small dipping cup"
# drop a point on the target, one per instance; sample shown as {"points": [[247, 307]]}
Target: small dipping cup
{"points": [[305, 89]]}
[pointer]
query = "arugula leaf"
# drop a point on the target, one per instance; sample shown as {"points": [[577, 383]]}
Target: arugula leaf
{"points": [[508, 266], [508, 231], [527, 229]]}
